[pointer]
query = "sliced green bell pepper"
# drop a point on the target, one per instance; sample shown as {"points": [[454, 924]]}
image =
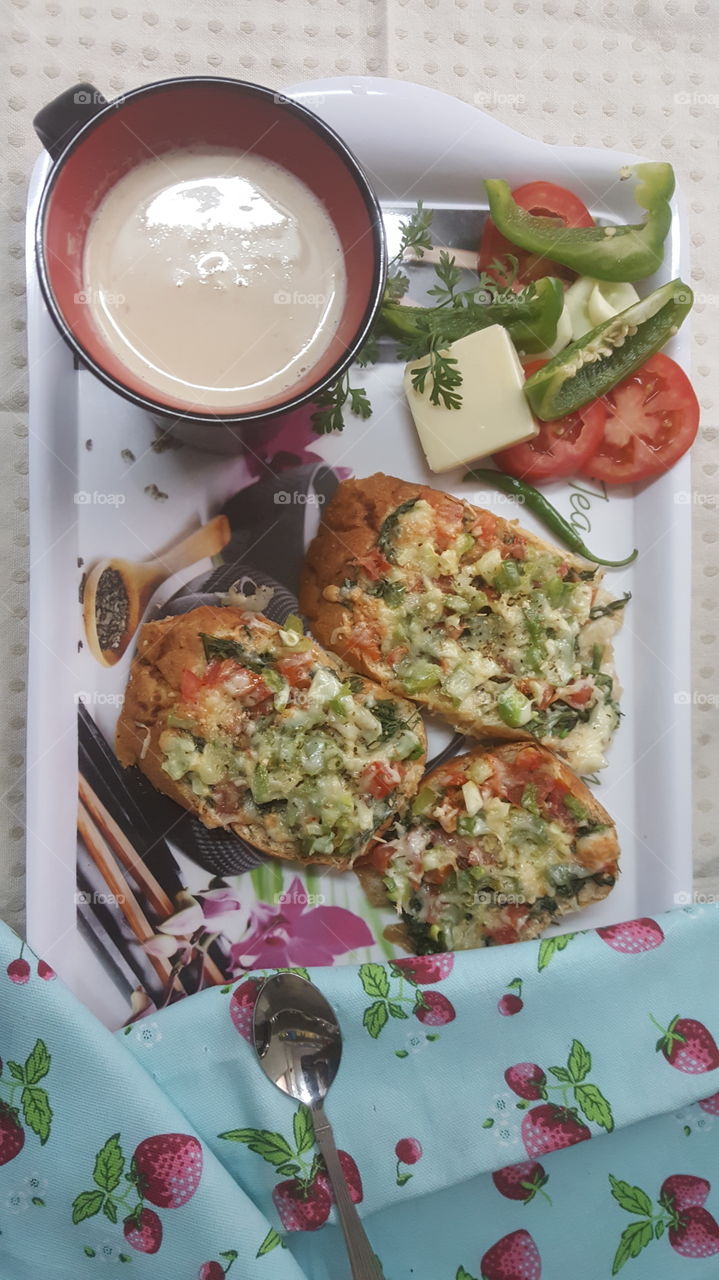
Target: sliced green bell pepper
{"points": [[530, 318], [627, 252], [590, 367]]}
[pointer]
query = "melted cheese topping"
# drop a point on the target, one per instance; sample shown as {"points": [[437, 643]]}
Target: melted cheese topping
{"points": [[471, 868], [316, 759], [497, 630]]}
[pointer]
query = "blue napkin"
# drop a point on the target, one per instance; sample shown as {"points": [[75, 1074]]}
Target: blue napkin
{"points": [[538, 1110]]}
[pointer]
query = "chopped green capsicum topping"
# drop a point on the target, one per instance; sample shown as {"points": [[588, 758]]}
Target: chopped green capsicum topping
{"points": [[627, 252]]}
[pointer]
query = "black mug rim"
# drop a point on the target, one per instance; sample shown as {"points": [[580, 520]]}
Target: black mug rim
{"points": [[365, 190]]}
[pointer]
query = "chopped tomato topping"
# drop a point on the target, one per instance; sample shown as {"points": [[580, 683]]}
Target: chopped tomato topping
{"points": [[218, 670], [246, 685], [453, 775], [502, 935], [365, 640], [397, 654], [379, 857], [514, 548], [539, 690], [530, 758], [553, 802], [374, 564], [485, 526], [437, 875], [579, 694], [513, 916], [449, 515], [379, 780], [190, 685], [226, 797], [296, 669]]}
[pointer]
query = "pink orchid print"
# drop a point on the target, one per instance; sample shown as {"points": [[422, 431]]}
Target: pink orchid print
{"points": [[295, 930]]}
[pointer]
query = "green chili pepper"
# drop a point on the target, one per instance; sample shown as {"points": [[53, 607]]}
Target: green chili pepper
{"points": [[627, 252], [544, 511], [530, 318], [590, 367]]}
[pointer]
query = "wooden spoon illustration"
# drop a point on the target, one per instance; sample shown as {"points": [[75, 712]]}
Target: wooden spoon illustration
{"points": [[117, 591]]}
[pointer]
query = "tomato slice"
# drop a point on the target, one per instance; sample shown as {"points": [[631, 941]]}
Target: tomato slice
{"points": [[652, 419], [561, 448], [544, 199]]}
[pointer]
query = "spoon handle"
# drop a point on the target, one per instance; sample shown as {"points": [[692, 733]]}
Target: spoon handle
{"points": [[363, 1263]]}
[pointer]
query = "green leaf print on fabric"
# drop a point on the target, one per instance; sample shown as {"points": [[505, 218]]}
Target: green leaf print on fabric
{"points": [[20, 1090], [692, 1231]]}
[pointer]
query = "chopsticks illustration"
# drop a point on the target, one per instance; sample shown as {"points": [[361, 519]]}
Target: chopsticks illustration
{"points": [[106, 843], [102, 855]]}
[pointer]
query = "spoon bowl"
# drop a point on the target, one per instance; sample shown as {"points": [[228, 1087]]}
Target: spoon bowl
{"points": [[297, 1037]]}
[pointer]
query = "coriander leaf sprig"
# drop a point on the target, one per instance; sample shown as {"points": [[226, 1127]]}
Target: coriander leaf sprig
{"points": [[448, 276], [415, 234], [445, 377], [331, 402]]}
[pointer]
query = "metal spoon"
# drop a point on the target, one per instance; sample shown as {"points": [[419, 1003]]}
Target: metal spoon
{"points": [[299, 1044]]}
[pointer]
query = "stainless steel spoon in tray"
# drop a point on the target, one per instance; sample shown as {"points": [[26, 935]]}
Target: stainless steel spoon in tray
{"points": [[299, 1044]]}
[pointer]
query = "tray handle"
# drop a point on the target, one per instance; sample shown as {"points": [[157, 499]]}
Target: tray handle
{"points": [[57, 123]]}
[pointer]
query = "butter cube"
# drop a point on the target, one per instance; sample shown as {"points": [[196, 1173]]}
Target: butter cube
{"points": [[494, 413]]}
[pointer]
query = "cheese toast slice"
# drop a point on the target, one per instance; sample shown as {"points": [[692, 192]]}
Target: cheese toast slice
{"points": [[253, 727], [475, 618], [499, 844]]}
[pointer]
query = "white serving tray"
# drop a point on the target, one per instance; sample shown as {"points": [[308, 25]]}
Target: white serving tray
{"points": [[415, 143]]}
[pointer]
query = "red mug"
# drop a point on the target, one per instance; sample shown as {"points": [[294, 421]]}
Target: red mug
{"points": [[94, 143]]}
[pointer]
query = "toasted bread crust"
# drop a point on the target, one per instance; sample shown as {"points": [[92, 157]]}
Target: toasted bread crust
{"points": [[165, 650]]}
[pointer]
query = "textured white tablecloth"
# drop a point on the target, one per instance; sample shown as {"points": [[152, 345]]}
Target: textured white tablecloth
{"points": [[638, 77]]}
